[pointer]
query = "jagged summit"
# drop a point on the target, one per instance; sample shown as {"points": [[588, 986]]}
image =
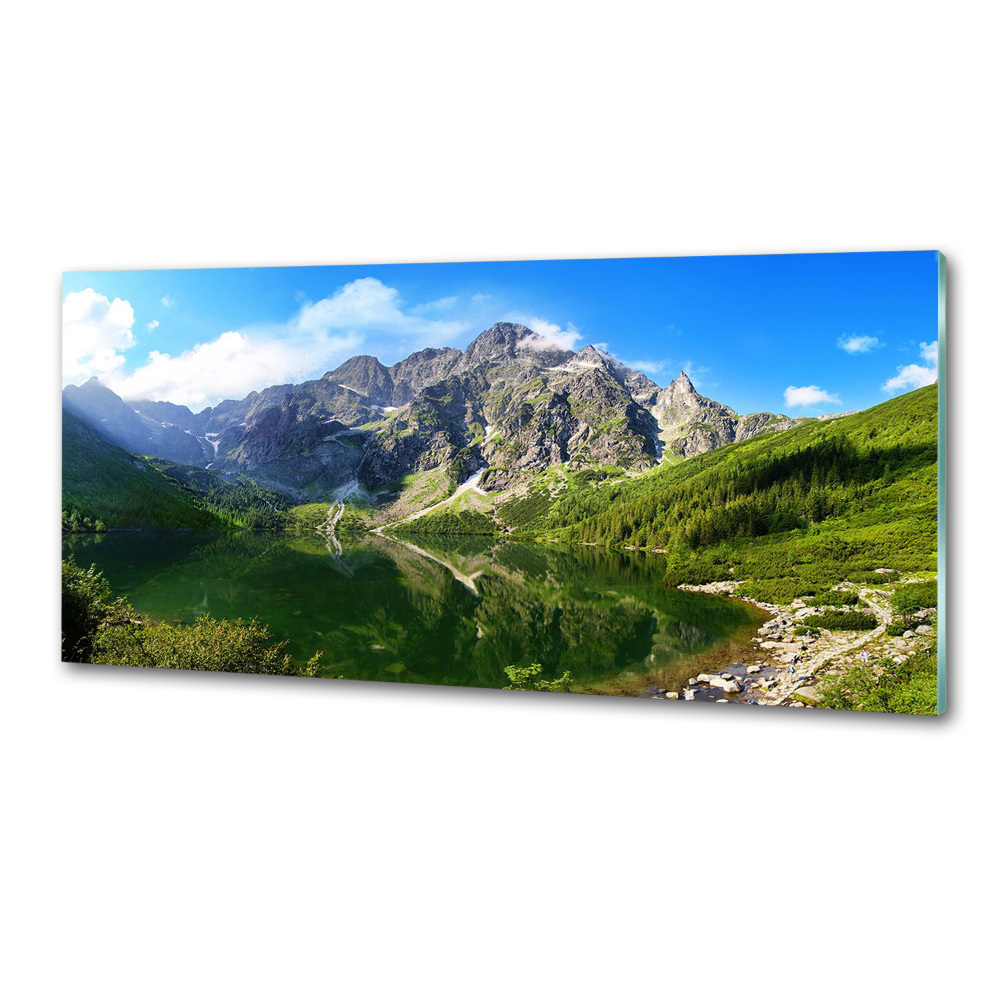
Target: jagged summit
{"points": [[506, 341], [366, 376]]}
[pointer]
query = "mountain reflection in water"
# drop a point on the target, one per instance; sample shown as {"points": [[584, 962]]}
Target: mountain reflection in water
{"points": [[429, 610]]}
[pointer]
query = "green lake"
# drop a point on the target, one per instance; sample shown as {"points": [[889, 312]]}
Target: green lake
{"points": [[433, 610]]}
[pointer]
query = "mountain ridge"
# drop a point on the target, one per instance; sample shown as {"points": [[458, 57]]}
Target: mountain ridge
{"points": [[510, 405]]}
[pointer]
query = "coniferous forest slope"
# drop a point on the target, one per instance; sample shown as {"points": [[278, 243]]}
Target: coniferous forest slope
{"points": [[791, 511]]}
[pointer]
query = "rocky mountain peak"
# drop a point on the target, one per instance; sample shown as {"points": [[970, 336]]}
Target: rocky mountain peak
{"points": [[364, 375], [595, 356], [498, 342], [683, 383]]}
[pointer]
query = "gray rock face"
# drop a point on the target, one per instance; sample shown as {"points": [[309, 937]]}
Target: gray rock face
{"points": [[413, 374], [691, 424], [365, 376], [513, 403]]}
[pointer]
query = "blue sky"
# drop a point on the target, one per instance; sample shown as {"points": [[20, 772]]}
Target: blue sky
{"points": [[802, 334]]}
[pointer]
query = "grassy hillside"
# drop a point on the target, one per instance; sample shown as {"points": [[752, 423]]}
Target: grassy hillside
{"points": [[102, 482], [793, 511]]}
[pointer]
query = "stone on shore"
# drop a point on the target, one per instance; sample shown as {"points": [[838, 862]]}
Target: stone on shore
{"points": [[808, 696], [729, 686]]}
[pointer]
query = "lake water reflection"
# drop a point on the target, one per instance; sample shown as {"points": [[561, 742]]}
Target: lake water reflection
{"points": [[430, 610]]}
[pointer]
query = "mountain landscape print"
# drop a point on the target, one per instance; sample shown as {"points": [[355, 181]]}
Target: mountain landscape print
{"points": [[707, 479]]}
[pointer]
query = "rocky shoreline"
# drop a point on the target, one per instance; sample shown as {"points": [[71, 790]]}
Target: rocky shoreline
{"points": [[789, 668]]}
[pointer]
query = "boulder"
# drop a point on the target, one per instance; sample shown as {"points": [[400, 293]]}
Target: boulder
{"points": [[808, 696], [909, 634], [729, 686], [924, 629]]}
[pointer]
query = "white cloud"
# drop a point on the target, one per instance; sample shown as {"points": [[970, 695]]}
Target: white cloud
{"points": [[438, 305], [152, 324], [166, 301], [649, 367], [478, 299], [95, 332], [367, 304], [548, 336], [809, 395], [858, 343], [231, 366], [318, 337], [914, 376]]}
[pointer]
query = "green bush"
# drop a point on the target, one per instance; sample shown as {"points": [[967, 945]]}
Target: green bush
{"points": [[209, 644], [87, 601], [779, 590], [100, 628], [874, 578], [833, 598], [527, 679], [844, 621], [912, 597], [909, 687]]}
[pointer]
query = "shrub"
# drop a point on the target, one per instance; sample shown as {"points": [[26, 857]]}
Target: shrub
{"points": [[780, 590], [209, 644], [86, 602], [909, 687], [874, 578], [845, 621], [833, 598], [527, 679], [911, 597], [100, 628]]}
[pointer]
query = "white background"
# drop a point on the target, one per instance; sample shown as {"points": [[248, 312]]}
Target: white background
{"points": [[197, 836]]}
